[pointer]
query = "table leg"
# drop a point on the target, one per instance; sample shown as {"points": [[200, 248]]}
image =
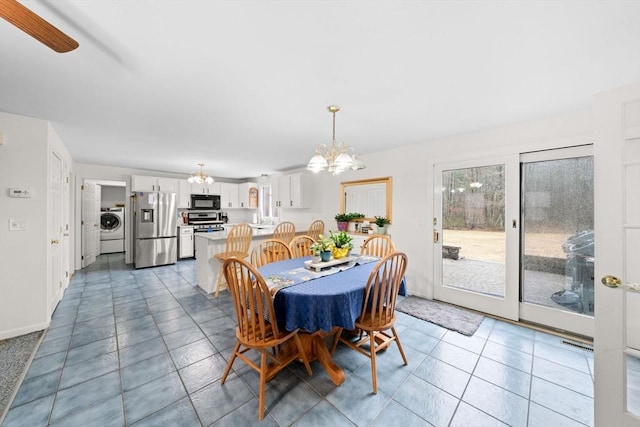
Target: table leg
{"points": [[316, 348]]}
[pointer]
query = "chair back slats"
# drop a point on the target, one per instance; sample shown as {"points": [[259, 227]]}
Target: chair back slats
{"points": [[378, 245], [315, 229], [284, 231], [382, 289], [268, 251], [301, 246], [252, 301], [239, 240]]}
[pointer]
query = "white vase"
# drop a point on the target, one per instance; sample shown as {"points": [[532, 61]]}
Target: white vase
{"points": [[382, 229]]}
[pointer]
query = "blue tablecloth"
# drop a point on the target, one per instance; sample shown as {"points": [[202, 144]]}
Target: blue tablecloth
{"points": [[322, 303]]}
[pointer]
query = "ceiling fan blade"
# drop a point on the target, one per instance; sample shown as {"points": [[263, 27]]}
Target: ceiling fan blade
{"points": [[23, 18]]}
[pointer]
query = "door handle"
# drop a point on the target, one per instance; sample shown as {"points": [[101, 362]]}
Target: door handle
{"points": [[66, 234], [54, 241], [611, 281], [436, 236]]}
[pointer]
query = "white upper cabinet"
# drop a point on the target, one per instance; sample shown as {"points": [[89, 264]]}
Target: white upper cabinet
{"points": [[287, 190], [184, 194], [245, 197], [228, 195], [205, 188], [152, 183]]}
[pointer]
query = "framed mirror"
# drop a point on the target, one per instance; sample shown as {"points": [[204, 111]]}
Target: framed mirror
{"points": [[371, 197]]}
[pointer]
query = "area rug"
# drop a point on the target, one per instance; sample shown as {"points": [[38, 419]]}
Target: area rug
{"points": [[14, 356], [448, 316]]}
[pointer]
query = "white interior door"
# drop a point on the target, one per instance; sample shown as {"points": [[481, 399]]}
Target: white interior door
{"points": [[66, 233], [55, 231], [90, 223], [617, 226]]}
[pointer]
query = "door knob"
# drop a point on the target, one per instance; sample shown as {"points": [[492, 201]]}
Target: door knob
{"points": [[54, 241], [611, 281]]}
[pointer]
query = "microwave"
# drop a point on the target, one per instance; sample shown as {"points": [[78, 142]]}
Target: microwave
{"points": [[205, 201]]}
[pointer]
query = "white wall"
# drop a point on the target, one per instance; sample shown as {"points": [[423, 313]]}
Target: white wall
{"points": [[23, 254]]}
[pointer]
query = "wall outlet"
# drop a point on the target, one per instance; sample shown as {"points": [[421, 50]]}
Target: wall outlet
{"points": [[17, 224]]}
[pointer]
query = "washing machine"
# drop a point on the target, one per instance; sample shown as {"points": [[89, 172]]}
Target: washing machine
{"points": [[111, 230]]}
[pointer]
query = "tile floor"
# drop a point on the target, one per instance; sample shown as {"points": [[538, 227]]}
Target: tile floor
{"points": [[147, 348]]}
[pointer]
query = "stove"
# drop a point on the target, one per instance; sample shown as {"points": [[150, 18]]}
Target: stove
{"points": [[203, 222]]}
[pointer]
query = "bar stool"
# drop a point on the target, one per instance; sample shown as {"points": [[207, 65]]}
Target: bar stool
{"points": [[237, 245]]}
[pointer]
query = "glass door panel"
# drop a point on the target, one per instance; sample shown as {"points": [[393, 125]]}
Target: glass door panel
{"points": [[473, 236], [476, 234], [557, 239]]}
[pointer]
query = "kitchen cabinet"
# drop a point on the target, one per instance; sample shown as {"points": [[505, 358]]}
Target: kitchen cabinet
{"points": [[228, 195], [245, 198], [288, 190], [185, 244], [184, 194], [152, 183], [205, 188]]}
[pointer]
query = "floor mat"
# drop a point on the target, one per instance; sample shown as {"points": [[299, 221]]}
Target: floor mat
{"points": [[448, 316]]}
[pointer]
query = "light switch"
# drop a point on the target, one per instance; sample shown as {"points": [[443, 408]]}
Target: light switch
{"points": [[17, 224]]}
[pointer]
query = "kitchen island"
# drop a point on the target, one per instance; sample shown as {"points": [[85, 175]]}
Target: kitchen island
{"points": [[209, 244]]}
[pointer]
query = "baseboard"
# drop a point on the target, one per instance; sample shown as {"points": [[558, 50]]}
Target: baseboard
{"points": [[24, 330]]}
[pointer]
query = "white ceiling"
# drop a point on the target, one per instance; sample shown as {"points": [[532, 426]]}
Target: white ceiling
{"points": [[243, 86]]}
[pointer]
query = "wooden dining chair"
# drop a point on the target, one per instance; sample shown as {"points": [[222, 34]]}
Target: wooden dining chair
{"points": [[257, 329], [268, 251], [236, 245], [316, 229], [378, 245], [378, 312], [301, 246], [284, 231]]}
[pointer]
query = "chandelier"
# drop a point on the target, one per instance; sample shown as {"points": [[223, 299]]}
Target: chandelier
{"points": [[337, 157], [200, 177]]}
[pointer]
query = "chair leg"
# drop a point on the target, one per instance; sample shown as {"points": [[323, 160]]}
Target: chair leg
{"points": [[374, 372], [263, 380], [230, 364], [219, 280], [397, 338]]}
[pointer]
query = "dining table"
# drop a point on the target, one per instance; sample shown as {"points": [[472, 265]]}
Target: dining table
{"points": [[317, 303]]}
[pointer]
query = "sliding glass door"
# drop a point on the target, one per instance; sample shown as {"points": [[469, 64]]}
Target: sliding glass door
{"points": [[557, 238], [475, 233], [514, 237]]}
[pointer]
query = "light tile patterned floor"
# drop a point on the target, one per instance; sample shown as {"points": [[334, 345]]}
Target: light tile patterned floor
{"points": [[147, 348]]}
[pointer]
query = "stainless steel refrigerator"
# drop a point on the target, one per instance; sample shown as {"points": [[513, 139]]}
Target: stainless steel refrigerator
{"points": [[155, 229]]}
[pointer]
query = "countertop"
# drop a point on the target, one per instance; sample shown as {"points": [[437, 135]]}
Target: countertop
{"points": [[264, 231]]}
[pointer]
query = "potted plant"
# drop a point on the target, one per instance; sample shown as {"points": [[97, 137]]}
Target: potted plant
{"points": [[382, 223], [323, 246], [342, 242], [342, 219]]}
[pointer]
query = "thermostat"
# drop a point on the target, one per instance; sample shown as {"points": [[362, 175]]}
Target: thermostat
{"points": [[20, 192]]}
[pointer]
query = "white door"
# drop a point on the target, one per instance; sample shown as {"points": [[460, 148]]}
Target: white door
{"points": [[617, 227], [476, 213], [66, 233], [55, 231], [90, 223]]}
